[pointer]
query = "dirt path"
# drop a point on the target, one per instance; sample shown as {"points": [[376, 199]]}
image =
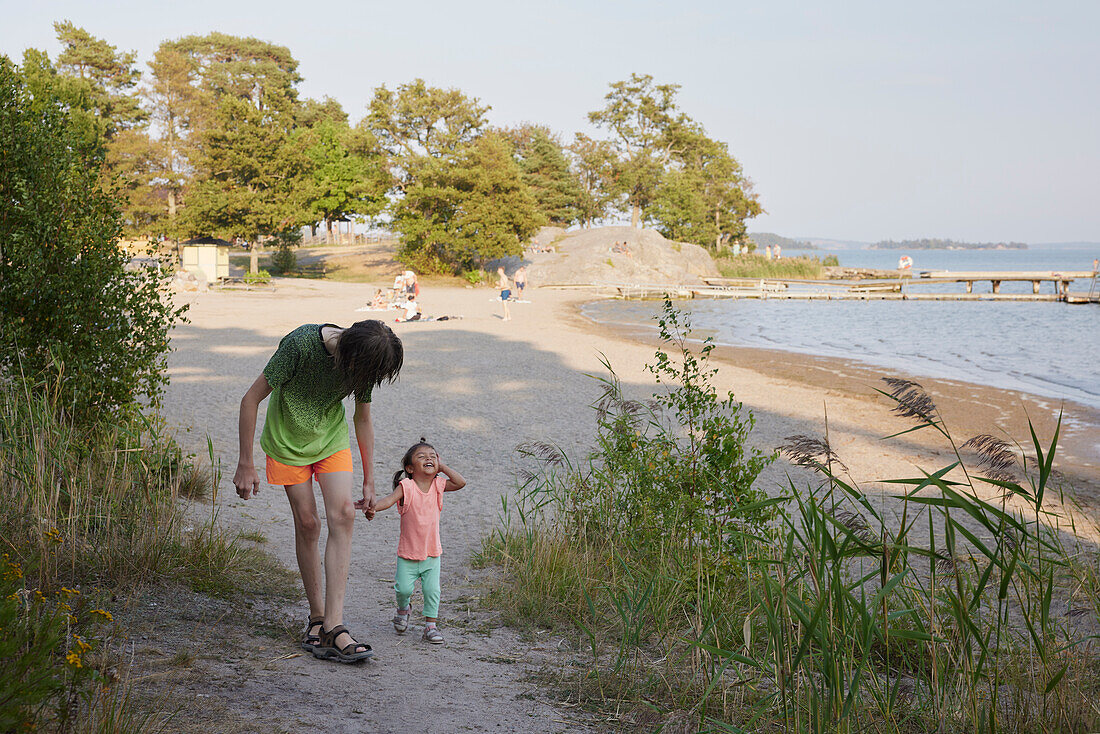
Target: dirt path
{"points": [[449, 392]]}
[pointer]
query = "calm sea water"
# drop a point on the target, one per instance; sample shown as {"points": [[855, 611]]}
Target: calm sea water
{"points": [[1048, 349]]}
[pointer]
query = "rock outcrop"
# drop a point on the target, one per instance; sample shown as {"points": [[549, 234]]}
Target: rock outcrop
{"points": [[619, 255]]}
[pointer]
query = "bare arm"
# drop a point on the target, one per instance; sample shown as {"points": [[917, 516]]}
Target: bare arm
{"points": [[389, 501], [364, 436], [246, 480], [455, 481]]}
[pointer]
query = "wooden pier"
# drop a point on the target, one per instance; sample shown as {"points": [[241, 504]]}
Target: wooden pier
{"points": [[1061, 280], [906, 288]]}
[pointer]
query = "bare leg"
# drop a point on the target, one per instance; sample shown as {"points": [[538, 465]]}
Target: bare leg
{"points": [[307, 531], [340, 513]]}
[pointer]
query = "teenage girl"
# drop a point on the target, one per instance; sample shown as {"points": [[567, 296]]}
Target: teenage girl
{"points": [[418, 493]]}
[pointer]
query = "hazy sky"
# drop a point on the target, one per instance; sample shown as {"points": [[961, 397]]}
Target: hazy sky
{"points": [[855, 120]]}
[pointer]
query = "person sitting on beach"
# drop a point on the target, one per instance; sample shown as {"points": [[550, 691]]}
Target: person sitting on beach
{"points": [[305, 436], [520, 278], [412, 286], [418, 493], [412, 309], [378, 303], [505, 291]]}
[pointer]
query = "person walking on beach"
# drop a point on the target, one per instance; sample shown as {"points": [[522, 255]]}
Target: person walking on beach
{"points": [[505, 291], [305, 436], [418, 493], [520, 278]]}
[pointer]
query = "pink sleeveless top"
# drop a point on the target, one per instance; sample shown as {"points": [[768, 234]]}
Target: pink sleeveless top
{"points": [[420, 512]]}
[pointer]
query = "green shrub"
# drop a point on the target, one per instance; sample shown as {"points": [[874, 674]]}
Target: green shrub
{"points": [[830, 261], [260, 277], [638, 544], [284, 260], [65, 295], [474, 276]]}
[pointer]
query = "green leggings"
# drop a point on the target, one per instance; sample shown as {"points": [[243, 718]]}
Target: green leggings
{"points": [[404, 583]]}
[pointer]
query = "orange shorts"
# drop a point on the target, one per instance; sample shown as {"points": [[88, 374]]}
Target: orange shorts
{"points": [[284, 474]]}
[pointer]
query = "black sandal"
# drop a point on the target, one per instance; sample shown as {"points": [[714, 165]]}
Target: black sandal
{"points": [[311, 641], [327, 650]]}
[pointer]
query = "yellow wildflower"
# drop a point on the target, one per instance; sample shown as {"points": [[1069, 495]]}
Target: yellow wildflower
{"points": [[80, 645], [73, 619], [38, 595], [74, 660], [103, 613], [70, 592], [64, 607]]}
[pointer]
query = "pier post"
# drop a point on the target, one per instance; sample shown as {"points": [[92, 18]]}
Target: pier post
{"points": [[996, 286], [969, 286], [1035, 286]]}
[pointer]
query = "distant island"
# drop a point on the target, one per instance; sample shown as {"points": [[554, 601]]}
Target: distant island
{"points": [[930, 244], [770, 239]]}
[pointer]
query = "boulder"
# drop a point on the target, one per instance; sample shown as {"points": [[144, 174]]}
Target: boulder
{"points": [[590, 256]]}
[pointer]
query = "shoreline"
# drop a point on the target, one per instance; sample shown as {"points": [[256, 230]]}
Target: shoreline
{"points": [[968, 408]]}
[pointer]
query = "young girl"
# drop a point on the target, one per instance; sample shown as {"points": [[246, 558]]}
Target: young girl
{"points": [[419, 499]]}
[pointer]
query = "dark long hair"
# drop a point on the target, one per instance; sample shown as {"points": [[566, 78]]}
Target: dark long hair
{"points": [[407, 459], [368, 353]]}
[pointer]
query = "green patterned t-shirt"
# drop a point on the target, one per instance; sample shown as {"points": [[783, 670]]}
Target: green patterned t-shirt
{"points": [[305, 413]]}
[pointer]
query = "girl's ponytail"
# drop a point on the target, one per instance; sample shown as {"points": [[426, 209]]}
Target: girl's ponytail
{"points": [[401, 473]]}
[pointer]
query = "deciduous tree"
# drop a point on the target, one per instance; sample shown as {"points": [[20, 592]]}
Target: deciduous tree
{"points": [[643, 119], [418, 121], [68, 306], [596, 167], [703, 197], [458, 212], [344, 172]]}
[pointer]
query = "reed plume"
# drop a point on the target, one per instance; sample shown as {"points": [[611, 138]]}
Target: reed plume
{"points": [[995, 457], [912, 400], [810, 451]]}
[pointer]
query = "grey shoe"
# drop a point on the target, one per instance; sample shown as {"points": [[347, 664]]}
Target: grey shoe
{"points": [[433, 635], [400, 623]]}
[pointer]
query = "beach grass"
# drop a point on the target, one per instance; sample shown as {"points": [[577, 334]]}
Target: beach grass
{"points": [[89, 511], [758, 266], [963, 600]]}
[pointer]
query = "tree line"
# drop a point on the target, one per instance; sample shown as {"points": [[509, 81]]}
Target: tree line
{"points": [[213, 139], [935, 244]]}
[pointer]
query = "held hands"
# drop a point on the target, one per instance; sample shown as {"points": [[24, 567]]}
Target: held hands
{"points": [[367, 503], [247, 481]]}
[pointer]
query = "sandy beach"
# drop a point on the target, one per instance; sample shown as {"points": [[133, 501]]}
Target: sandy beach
{"points": [[476, 387]]}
